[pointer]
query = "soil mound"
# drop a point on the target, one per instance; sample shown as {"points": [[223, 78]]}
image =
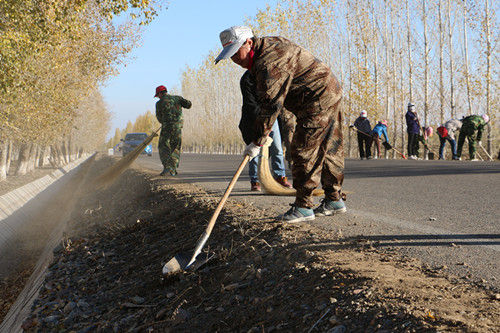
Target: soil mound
{"points": [[106, 274]]}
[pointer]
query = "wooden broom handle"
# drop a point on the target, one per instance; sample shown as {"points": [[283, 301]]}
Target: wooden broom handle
{"points": [[229, 188]]}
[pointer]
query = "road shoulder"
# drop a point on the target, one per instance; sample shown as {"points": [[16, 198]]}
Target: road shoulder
{"points": [[266, 276]]}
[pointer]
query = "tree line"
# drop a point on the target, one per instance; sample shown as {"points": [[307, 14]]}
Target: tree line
{"points": [[440, 55], [54, 57]]}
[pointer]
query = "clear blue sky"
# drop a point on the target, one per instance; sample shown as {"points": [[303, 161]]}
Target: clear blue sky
{"points": [[181, 35]]}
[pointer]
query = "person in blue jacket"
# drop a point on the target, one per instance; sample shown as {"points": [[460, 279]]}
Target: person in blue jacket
{"points": [[378, 131], [413, 129]]}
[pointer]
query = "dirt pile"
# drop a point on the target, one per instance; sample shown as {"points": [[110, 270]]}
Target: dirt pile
{"points": [[106, 275]]}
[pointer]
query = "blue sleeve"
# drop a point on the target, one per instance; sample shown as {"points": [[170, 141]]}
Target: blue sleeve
{"points": [[408, 119]]}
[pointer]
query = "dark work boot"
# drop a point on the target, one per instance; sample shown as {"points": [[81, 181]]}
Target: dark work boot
{"points": [[255, 186]]}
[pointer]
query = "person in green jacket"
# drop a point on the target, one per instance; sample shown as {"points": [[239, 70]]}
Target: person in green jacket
{"points": [[470, 125], [169, 114]]}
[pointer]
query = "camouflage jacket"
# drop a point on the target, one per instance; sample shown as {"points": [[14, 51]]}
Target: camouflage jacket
{"points": [[169, 109], [289, 76], [472, 124]]}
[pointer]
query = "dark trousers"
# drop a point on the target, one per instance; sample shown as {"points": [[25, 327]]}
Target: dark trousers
{"points": [[413, 144], [469, 134], [364, 145]]}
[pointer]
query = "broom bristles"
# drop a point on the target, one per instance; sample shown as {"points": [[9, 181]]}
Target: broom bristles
{"points": [[269, 184]]}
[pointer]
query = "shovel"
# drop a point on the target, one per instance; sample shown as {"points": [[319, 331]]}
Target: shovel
{"points": [[183, 261], [486, 152]]}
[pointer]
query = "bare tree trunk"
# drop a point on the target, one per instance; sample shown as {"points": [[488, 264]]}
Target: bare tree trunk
{"points": [[450, 50], [394, 78], [70, 149], [10, 154], [488, 72], [52, 157], [375, 51], [33, 157], [426, 72], [410, 61], [387, 77], [39, 161], [441, 80], [466, 59], [4, 147], [342, 84], [402, 102], [57, 156], [349, 147], [64, 151], [24, 154]]}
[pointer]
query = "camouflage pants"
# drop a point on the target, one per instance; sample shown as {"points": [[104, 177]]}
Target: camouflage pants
{"points": [[469, 134], [169, 146], [318, 155]]}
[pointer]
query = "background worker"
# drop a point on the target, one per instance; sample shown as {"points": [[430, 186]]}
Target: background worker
{"points": [[427, 132], [413, 130], [378, 131], [287, 75], [249, 113], [471, 125], [446, 132], [169, 114], [364, 139]]}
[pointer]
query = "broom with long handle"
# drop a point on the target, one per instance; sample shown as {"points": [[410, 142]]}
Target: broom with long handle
{"points": [[111, 173], [486, 152], [387, 147]]}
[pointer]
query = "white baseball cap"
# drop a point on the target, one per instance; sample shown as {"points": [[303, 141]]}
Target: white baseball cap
{"points": [[363, 114], [232, 39]]}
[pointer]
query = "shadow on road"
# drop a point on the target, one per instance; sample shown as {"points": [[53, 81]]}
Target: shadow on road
{"points": [[397, 170], [202, 177], [355, 172], [410, 240]]}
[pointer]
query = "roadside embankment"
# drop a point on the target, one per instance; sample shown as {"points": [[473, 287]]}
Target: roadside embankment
{"points": [[32, 217], [106, 273], [12, 201]]}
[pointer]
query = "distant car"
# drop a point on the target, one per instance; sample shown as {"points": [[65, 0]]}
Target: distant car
{"points": [[132, 140]]}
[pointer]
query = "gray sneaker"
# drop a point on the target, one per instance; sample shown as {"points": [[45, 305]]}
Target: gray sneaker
{"points": [[329, 207], [297, 214]]}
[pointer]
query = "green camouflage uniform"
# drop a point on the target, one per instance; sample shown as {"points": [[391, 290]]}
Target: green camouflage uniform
{"points": [[169, 114], [289, 76], [470, 125]]}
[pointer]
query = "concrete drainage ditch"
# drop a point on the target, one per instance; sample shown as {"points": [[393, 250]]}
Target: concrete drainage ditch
{"points": [[23, 215]]}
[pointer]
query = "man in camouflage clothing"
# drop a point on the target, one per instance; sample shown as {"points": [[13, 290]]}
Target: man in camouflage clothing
{"points": [[470, 125], [169, 114], [289, 76]]}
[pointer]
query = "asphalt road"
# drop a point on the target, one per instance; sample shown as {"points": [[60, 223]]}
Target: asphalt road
{"points": [[446, 213]]}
